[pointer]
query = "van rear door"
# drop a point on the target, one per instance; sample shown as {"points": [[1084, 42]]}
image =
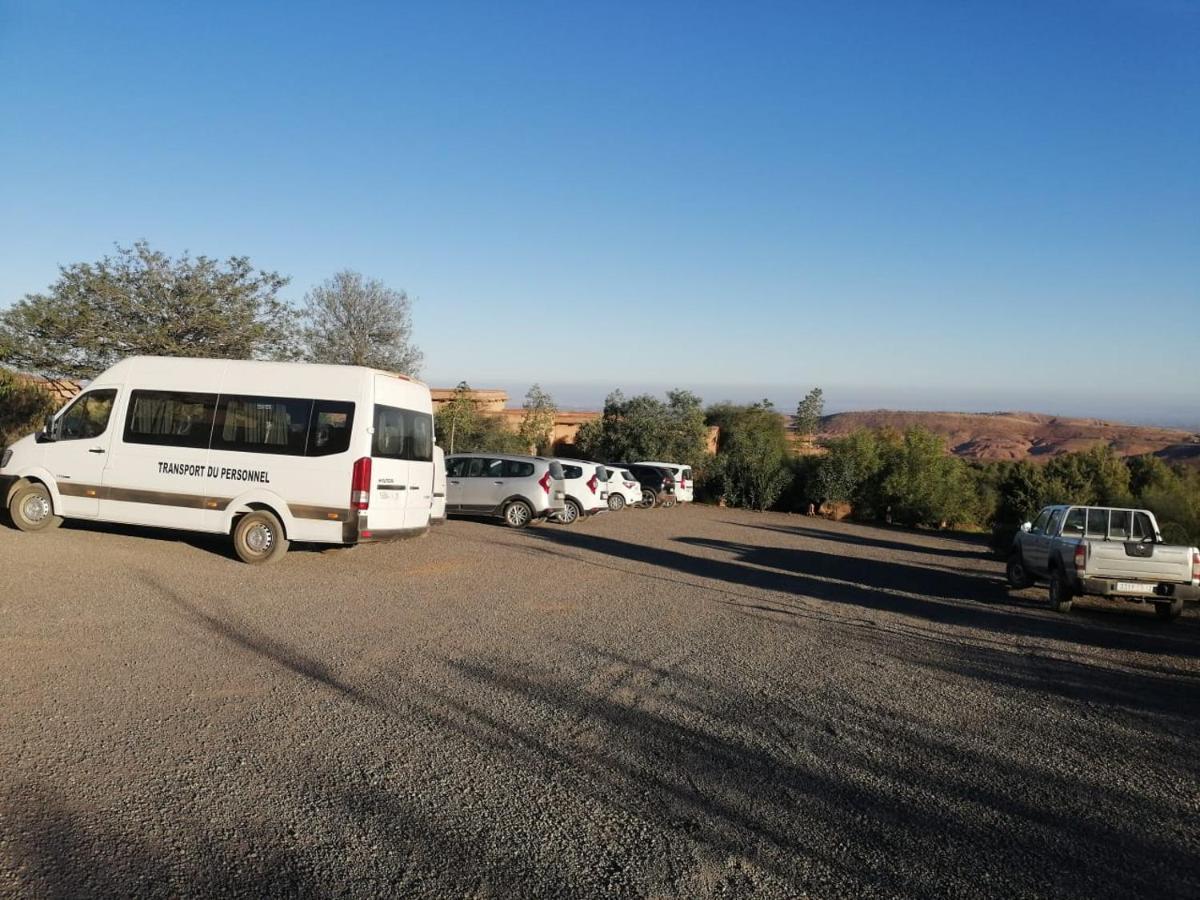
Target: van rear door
{"points": [[389, 471]]}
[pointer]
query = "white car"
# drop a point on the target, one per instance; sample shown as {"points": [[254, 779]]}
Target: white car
{"points": [[623, 488], [684, 485], [586, 487]]}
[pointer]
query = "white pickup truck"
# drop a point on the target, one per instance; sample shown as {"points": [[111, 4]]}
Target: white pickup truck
{"points": [[1104, 552]]}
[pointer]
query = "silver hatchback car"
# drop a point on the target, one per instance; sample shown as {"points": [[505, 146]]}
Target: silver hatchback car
{"points": [[517, 489]]}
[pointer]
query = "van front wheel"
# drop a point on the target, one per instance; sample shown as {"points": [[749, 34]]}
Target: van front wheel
{"points": [[258, 538], [31, 509]]}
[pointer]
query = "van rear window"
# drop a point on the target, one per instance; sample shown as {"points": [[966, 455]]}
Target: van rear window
{"points": [[402, 434]]}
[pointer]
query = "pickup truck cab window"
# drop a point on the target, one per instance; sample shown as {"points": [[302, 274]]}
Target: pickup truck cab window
{"points": [[1097, 523], [1119, 524], [1142, 529], [1076, 519], [1039, 524], [1055, 519]]}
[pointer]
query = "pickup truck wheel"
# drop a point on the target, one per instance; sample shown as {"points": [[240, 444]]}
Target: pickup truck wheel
{"points": [[1169, 610], [1018, 575], [1061, 593]]}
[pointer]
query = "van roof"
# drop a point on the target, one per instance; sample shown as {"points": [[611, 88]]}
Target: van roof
{"points": [[203, 362]]}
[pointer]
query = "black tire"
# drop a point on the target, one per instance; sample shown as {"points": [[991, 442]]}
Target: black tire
{"points": [[1061, 592], [1172, 609], [517, 514], [616, 502], [258, 538], [31, 508], [570, 514], [649, 498], [1017, 574]]}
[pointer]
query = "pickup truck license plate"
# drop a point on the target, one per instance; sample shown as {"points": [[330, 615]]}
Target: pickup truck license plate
{"points": [[1135, 587]]}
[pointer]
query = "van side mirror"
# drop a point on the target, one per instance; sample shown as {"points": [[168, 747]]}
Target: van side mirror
{"points": [[1027, 527], [48, 431]]}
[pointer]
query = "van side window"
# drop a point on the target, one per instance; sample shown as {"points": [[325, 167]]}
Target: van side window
{"points": [[170, 418], [262, 425], [87, 417], [1075, 522], [402, 434], [330, 429], [1097, 523], [1118, 524]]}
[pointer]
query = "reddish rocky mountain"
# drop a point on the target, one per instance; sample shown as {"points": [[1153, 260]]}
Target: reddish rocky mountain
{"points": [[1019, 435]]}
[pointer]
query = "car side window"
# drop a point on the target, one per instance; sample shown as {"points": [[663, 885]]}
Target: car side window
{"points": [[87, 417], [474, 467], [493, 468], [1039, 524], [455, 467], [514, 468], [1074, 525]]}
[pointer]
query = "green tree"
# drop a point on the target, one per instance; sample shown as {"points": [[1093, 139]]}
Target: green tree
{"points": [[462, 428], [850, 472], [537, 425], [923, 484], [807, 420], [644, 427], [140, 301], [357, 321], [23, 407], [752, 466]]}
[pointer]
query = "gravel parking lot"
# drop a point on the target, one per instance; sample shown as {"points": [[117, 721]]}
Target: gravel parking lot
{"points": [[694, 702]]}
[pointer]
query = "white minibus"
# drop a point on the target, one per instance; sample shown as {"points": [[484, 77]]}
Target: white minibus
{"points": [[266, 452]]}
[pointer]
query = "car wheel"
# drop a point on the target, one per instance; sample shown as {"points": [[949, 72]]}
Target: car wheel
{"points": [[649, 498], [616, 502], [258, 538], [31, 509], [570, 514], [1018, 575], [1170, 610], [518, 514], [1061, 594]]}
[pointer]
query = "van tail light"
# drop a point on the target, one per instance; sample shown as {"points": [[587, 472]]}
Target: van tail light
{"points": [[360, 484], [592, 484], [1081, 557], [1196, 565], [544, 481]]}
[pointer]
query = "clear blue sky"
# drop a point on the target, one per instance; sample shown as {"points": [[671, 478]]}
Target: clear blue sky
{"points": [[971, 205]]}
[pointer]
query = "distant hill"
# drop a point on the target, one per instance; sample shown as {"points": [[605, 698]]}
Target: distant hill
{"points": [[1020, 435]]}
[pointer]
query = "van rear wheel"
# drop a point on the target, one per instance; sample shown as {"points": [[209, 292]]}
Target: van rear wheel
{"points": [[258, 538], [518, 514], [31, 509]]}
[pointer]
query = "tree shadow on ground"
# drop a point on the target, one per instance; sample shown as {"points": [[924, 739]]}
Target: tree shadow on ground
{"points": [[936, 595], [982, 551]]}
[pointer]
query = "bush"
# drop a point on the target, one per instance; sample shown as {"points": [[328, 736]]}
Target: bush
{"points": [[751, 468]]}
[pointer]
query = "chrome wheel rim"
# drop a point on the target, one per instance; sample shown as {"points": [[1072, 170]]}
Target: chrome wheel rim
{"points": [[259, 537], [518, 514], [570, 514], [35, 508]]}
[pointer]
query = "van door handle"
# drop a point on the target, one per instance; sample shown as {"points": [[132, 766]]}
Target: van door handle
{"points": [[96, 450]]}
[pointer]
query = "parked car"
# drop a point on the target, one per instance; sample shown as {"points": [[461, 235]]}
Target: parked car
{"points": [[265, 452], [586, 489], [657, 484], [517, 489], [684, 485], [623, 488], [1104, 552], [437, 506]]}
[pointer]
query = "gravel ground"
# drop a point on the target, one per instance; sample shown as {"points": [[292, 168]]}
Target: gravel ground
{"points": [[671, 703]]}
